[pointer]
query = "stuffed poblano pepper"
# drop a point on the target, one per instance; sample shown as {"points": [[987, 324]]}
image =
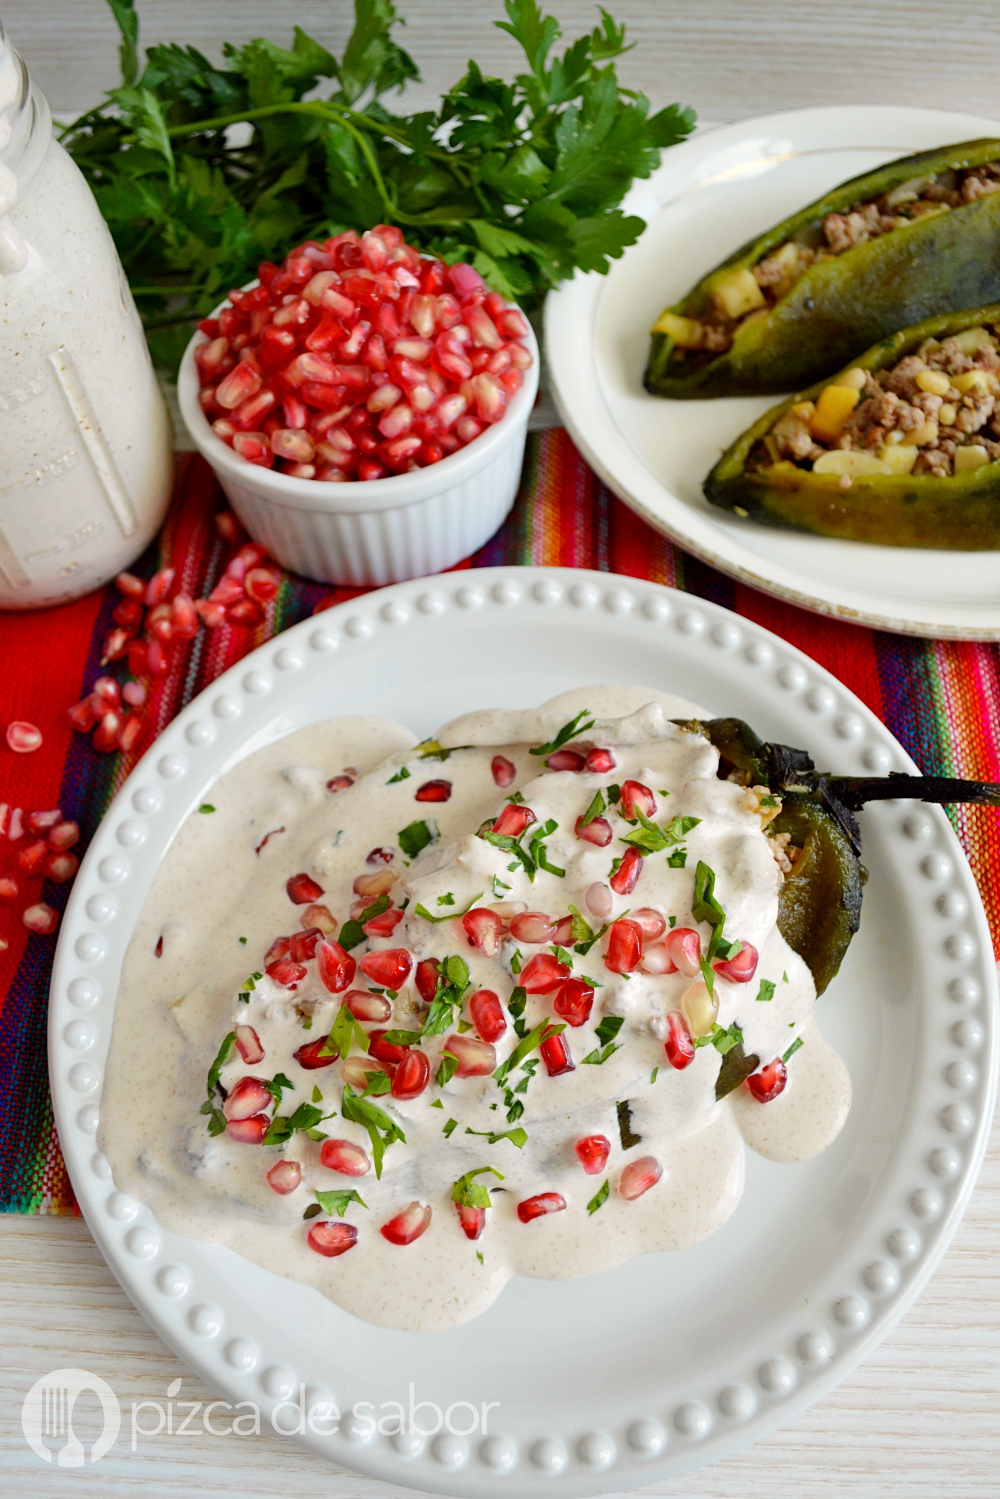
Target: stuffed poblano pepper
{"points": [[901, 448], [817, 837], [917, 237]]}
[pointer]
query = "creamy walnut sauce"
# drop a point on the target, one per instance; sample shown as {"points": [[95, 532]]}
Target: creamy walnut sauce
{"points": [[221, 882]]}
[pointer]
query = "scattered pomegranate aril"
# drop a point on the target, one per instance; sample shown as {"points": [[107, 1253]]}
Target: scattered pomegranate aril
{"points": [[566, 759], [339, 783], [31, 858], [484, 929], [336, 968], [433, 791], [563, 933], [82, 715], [556, 1055], [592, 1152], [131, 586], [408, 1225], [248, 1131], [487, 1014], [318, 916], [624, 946], [513, 820], [246, 612], [635, 794], [365, 1006], [248, 1044], [538, 1206], [379, 883], [574, 1002], [302, 945], [626, 876], [9, 888], [287, 973], [15, 827], [309, 1056], [597, 831], [638, 1176], [331, 1238], [157, 659], [128, 614], [426, 979], [303, 890], [532, 926], [260, 583], [678, 1045], [389, 969], [475, 1058], [683, 945], [383, 925], [227, 526], [284, 1177], [412, 1075], [652, 923], [248, 1096], [134, 693], [383, 1050], [41, 918], [378, 856], [472, 1220], [542, 973], [128, 734], [278, 949], [768, 1082], [61, 868], [656, 959], [158, 587], [741, 969], [344, 1156], [106, 733], [23, 737]]}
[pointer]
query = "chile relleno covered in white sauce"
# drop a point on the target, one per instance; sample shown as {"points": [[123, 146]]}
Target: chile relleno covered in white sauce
{"points": [[403, 1020]]}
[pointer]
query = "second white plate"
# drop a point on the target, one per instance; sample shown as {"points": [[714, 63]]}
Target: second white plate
{"points": [[711, 195]]}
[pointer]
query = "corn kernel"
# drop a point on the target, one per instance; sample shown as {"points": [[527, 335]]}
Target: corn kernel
{"points": [[686, 332], [934, 382], [974, 382], [700, 1009], [737, 292], [900, 458], [835, 404], [971, 457], [947, 414], [921, 436], [853, 379]]}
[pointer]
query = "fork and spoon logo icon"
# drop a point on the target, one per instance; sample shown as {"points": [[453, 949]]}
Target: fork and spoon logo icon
{"points": [[47, 1417]]}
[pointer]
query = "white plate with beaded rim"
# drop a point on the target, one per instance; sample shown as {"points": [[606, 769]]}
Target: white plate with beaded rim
{"points": [[711, 194], [673, 1359]]}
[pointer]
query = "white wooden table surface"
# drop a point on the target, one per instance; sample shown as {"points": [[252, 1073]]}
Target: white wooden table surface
{"points": [[921, 1415]]}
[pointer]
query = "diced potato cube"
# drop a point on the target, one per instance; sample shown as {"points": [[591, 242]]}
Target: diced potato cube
{"points": [[851, 380], [804, 409], [787, 255], [974, 381], [835, 404], [921, 436], [900, 457], [686, 332], [971, 339], [736, 293], [970, 457], [850, 461], [935, 382]]}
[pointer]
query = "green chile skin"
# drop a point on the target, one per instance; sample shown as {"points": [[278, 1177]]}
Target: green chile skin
{"points": [[841, 306], [958, 513]]}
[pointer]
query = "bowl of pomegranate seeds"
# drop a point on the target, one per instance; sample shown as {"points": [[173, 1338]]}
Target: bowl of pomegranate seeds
{"points": [[364, 407]]}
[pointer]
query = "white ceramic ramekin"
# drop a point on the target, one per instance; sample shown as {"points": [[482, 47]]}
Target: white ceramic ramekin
{"points": [[385, 531]]}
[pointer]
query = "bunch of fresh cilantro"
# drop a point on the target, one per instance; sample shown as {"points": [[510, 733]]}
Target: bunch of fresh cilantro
{"points": [[202, 171]]}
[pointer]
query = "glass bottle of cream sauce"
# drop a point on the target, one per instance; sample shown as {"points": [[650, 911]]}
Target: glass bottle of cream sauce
{"points": [[85, 446]]}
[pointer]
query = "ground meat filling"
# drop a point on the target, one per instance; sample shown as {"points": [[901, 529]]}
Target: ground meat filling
{"points": [[934, 412], [752, 291]]}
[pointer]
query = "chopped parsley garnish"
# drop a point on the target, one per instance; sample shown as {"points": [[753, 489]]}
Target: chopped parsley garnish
{"points": [[583, 934], [278, 1083], [793, 1048], [769, 801], [628, 1136], [538, 851], [498, 885], [437, 1104], [469, 1193], [654, 1074], [596, 809], [561, 955], [338, 1202], [382, 1130], [403, 1038], [317, 1096], [430, 749], [784, 978], [567, 732], [616, 864], [515, 798], [376, 1084], [216, 1118], [353, 932], [464, 1026], [242, 940], [452, 986], [446, 900], [414, 837], [677, 859], [599, 1198], [446, 1071], [652, 839], [517, 1137], [722, 1039], [206, 807], [449, 1129], [606, 1033], [672, 920], [344, 1032], [401, 775], [766, 990], [515, 962], [306, 1117], [479, 1256], [705, 907], [516, 1003], [614, 794], [542, 1031]]}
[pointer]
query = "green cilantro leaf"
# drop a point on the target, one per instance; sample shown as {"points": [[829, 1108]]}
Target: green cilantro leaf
{"points": [[449, 1129], [206, 807], [447, 900], [278, 1083], [338, 1202], [517, 1137], [542, 1031], [793, 1048], [345, 1032], [447, 1069], [353, 931], [576, 725], [221, 1058], [401, 775], [597, 808], [766, 990], [609, 1028], [469, 1193], [599, 1198], [414, 837], [677, 859], [382, 1130]]}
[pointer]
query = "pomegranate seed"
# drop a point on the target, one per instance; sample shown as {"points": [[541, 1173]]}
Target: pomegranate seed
{"points": [[639, 1176], [412, 1075], [303, 890], [433, 791], [107, 690], [332, 1238], [245, 611], [635, 794], [9, 888], [211, 614], [624, 947], [134, 694], [513, 820], [286, 972], [426, 980], [336, 968], [184, 619], [768, 1082], [247, 1097], [472, 1220], [487, 1014], [503, 771], [128, 614], [16, 825], [156, 659], [261, 584], [302, 945], [678, 1046], [574, 1002], [597, 831], [131, 586], [532, 926], [339, 783], [389, 969], [356, 1071], [41, 918], [309, 1057], [379, 856], [384, 925], [278, 949], [32, 857], [383, 1050], [344, 1156], [318, 916], [106, 735], [248, 1131], [566, 759], [365, 1006], [82, 715], [379, 883], [482, 327], [248, 1045], [538, 1206], [656, 959], [556, 1055], [255, 447], [40, 822], [475, 1058], [484, 930], [227, 526], [158, 587], [129, 733], [159, 626], [23, 737], [227, 591], [284, 1177], [61, 868], [624, 880], [407, 1225], [592, 1152], [741, 969], [684, 947], [652, 923], [563, 933], [542, 973]]}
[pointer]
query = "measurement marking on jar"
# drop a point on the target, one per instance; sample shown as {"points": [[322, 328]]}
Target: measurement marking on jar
{"points": [[94, 440], [11, 399], [9, 562], [89, 531]]}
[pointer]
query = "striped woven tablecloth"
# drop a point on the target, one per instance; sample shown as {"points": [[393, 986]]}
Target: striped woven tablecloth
{"points": [[940, 699]]}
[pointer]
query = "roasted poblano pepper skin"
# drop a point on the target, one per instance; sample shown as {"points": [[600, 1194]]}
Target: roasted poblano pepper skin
{"points": [[842, 305], [956, 513]]}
